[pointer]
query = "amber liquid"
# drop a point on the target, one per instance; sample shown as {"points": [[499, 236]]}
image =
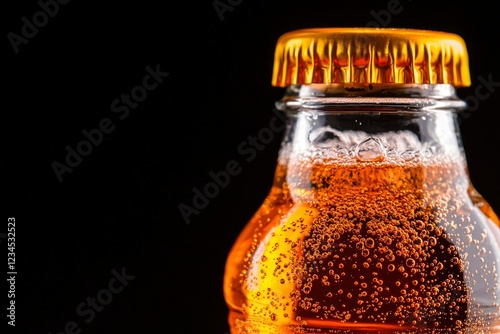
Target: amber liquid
{"points": [[366, 247]]}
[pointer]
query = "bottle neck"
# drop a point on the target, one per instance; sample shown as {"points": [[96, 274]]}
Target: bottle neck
{"points": [[396, 97], [404, 126], [403, 121]]}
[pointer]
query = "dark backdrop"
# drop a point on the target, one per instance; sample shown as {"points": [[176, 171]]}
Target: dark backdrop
{"points": [[116, 213]]}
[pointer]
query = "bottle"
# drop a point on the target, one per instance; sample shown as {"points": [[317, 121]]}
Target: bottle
{"points": [[371, 223]]}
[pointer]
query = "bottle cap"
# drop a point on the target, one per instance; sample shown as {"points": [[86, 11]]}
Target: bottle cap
{"points": [[363, 56]]}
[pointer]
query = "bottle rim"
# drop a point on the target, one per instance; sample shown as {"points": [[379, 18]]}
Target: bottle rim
{"points": [[378, 97]]}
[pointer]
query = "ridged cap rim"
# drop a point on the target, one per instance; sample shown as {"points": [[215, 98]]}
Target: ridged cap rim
{"points": [[362, 56]]}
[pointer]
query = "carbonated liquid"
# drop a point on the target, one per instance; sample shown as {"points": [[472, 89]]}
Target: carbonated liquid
{"points": [[372, 245]]}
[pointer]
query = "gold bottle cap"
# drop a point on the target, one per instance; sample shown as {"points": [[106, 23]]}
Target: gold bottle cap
{"points": [[362, 56]]}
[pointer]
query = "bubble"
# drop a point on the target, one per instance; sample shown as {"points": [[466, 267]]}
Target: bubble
{"points": [[370, 243], [323, 136], [410, 262], [408, 155], [390, 257], [419, 225], [370, 149]]}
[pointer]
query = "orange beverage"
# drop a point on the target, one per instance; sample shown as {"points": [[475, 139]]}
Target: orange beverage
{"points": [[372, 223]]}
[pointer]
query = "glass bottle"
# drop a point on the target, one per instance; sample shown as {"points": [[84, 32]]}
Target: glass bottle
{"points": [[372, 223]]}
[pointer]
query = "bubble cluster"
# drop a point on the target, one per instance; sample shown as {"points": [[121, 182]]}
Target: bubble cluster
{"points": [[386, 268]]}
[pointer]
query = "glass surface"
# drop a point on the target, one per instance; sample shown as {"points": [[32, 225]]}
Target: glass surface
{"points": [[371, 224]]}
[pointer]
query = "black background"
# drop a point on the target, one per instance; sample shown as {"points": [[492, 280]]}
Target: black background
{"points": [[119, 207]]}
